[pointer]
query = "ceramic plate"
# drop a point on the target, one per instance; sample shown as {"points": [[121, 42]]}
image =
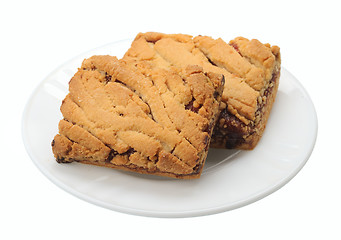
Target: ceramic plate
{"points": [[230, 179]]}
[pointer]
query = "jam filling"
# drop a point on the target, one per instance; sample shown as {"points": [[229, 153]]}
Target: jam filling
{"points": [[190, 106], [107, 78], [235, 46], [114, 153], [232, 130]]}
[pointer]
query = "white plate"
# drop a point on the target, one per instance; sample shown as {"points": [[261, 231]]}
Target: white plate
{"points": [[230, 179]]}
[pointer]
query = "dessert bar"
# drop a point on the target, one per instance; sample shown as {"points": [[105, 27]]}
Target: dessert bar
{"points": [[251, 70], [139, 117]]}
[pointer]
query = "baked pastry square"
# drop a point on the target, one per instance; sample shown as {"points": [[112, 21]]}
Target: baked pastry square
{"points": [[251, 70], [139, 118]]}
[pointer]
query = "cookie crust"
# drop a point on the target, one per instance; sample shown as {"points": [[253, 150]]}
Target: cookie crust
{"points": [[251, 70], [139, 118]]}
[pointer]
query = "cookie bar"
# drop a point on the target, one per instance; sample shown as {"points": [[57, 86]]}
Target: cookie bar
{"points": [[139, 118], [251, 70]]}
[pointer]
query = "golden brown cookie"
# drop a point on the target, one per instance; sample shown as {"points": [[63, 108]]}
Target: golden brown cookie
{"points": [[138, 117], [251, 70]]}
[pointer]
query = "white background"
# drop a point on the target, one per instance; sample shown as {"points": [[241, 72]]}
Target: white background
{"points": [[38, 36]]}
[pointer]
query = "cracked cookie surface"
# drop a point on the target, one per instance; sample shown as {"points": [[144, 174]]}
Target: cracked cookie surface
{"points": [[138, 117], [251, 70]]}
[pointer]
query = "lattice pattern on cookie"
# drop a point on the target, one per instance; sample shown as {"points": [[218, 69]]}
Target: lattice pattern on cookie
{"points": [[138, 117], [251, 70], [246, 65]]}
